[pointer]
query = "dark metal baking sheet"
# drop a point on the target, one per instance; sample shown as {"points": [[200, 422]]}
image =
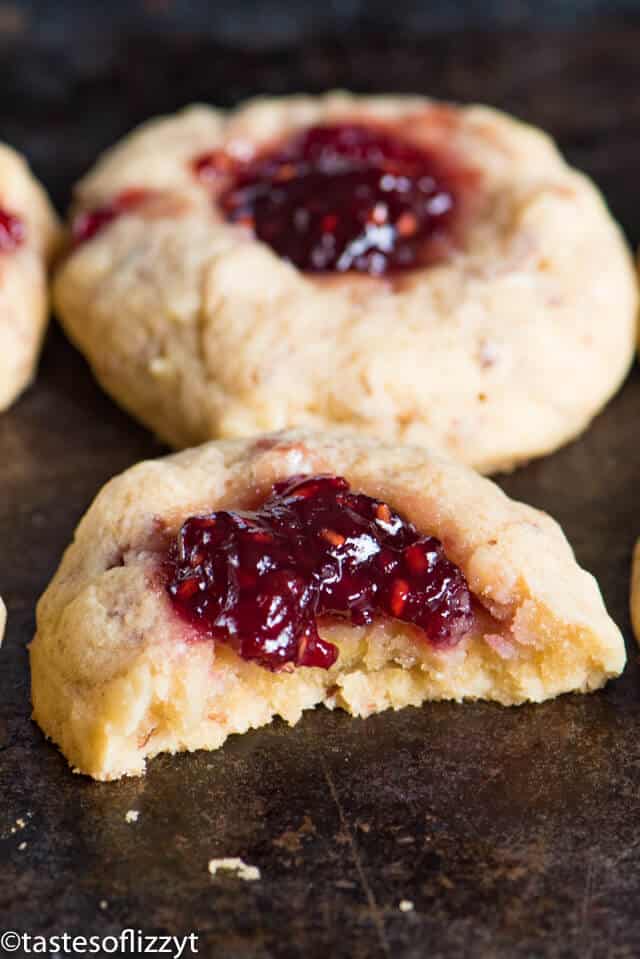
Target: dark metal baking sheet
{"points": [[513, 831]]}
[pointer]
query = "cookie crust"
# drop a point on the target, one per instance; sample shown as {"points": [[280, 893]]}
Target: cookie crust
{"points": [[117, 677], [24, 302], [500, 354]]}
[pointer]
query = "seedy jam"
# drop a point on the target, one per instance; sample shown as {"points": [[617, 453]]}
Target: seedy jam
{"points": [[12, 231], [258, 580], [90, 222], [341, 197]]}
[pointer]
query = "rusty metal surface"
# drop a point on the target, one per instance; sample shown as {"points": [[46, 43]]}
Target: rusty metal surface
{"points": [[514, 832]]}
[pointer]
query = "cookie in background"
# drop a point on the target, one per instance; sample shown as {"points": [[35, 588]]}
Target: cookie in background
{"points": [[423, 272]]}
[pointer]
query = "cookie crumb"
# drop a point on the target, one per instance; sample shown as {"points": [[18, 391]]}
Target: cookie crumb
{"points": [[234, 864], [132, 815], [291, 839], [405, 905]]}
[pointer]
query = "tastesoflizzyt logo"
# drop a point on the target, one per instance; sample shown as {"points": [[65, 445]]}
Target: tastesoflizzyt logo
{"points": [[128, 942]]}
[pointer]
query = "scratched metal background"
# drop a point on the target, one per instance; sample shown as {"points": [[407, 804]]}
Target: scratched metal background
{"points": [[514, 832]]}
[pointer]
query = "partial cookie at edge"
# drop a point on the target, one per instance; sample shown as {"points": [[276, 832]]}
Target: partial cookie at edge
{"points": [[634, 599], [24, 299]]}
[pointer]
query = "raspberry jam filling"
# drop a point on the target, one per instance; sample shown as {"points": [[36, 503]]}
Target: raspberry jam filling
{"points": [[12, 231], [90, 222], [341, 197], [257, 580]]}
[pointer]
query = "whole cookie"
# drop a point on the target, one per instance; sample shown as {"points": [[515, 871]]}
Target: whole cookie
{"points": [[28, 236], [210, 591], [426, 273]]}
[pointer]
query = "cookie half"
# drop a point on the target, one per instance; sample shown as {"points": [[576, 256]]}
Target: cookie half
{"points": [[28, 238], [210, 591], [427, 273]]}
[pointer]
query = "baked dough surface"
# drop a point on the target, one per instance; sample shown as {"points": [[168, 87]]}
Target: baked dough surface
{"points": [[117, 677], [501, 353], [24, 305]]}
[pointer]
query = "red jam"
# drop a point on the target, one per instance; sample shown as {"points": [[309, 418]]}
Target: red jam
{"points": [[90, 222], [257, 580], [341, 197], [12, 231]]}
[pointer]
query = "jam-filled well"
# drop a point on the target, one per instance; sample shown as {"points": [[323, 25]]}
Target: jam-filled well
{"points": [[341, 197], [258, 580], [92, 221], [12, 231]]}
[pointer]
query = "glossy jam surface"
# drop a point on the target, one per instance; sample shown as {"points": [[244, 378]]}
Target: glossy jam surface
{"points": [[257, 580], [12, 231], [339, 198], [90, 222]]}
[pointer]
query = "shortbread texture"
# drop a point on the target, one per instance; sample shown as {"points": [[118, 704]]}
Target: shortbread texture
{"points": [[24, 301], [118, 676], [499, 354]]}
